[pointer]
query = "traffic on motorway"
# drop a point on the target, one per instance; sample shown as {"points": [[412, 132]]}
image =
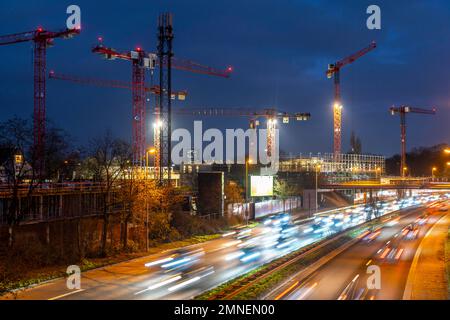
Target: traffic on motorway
{"points": [[387, 250]]}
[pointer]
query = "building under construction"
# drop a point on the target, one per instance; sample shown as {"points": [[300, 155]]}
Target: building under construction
{"points": [[337, 167]]}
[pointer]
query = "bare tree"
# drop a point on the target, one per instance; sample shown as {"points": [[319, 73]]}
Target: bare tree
{"points": [[355, 144], [109, 159], [15, 144], [18, 161], [132, 186]]}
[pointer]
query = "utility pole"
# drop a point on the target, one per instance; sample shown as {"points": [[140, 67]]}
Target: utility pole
{"points": [[146, 225], [317, 185]]}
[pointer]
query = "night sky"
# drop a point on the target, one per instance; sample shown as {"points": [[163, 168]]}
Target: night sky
{"points": [[279, 51]]}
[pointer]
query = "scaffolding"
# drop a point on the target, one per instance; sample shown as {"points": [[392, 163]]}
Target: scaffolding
{"points": [[337, 167]]}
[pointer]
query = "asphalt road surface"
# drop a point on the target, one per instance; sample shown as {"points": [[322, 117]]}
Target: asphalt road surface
{"points": [[185, 273], [392, 249]]}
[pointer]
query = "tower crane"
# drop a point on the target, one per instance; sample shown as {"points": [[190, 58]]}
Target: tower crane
{"points": [[154, 90], [334, 70], [176, 95], [402, 111], [141, 60], [271, 115], [42, 40]]}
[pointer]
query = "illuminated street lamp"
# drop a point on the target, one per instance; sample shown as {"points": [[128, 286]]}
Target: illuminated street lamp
{"points": [[378, 172], [157, 124], [317, 171], [247, 162], [447, 150], [433, 170], [151, 150]]}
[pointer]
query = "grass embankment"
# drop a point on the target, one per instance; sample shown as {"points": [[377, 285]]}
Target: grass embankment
{"points": [[447, 261], [23, 276]]}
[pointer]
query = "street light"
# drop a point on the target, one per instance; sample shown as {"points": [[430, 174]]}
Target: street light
{"points": [[158, 124], [447, 150], [247, 162], [151, 150], [405, 169], [378, 173], [432, 172]]}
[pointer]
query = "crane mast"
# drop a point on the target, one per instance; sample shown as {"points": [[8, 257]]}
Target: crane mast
{"points": [[402, 111], [42, 39], [163, 60], [334, 70]]}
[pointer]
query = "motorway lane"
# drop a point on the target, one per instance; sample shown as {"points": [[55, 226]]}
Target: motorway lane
{"points": [[119, 281], [345, 276]]}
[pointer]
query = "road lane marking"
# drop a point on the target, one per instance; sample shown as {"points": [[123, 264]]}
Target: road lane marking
{"points": [[344, 295], [369, 262], [183, 284], [304, 294], [408, 288], [281, 295], [66, 294], [160, 284]]}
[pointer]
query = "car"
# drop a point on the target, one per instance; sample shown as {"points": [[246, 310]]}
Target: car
{"points": [[372, 235], [422, 220], [411, 231], [250, 254], [394, 255]]}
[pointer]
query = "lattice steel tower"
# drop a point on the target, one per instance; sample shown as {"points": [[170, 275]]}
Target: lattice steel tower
{"points": [[164, 114]]}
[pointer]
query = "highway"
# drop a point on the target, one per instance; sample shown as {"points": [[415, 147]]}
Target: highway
{"points": [[187, 272], [391, 248]]}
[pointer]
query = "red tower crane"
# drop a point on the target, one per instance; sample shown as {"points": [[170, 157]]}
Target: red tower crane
{"points": [[402, 111], [271, 115], [141, 61], [334, 69], [42, 40], [180, 95]]}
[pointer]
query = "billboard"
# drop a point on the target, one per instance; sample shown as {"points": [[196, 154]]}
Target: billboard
{"points": [[261, 186]]}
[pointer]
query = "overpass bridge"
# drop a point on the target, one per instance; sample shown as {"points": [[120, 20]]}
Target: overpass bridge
{"points": [[376, 185]]}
